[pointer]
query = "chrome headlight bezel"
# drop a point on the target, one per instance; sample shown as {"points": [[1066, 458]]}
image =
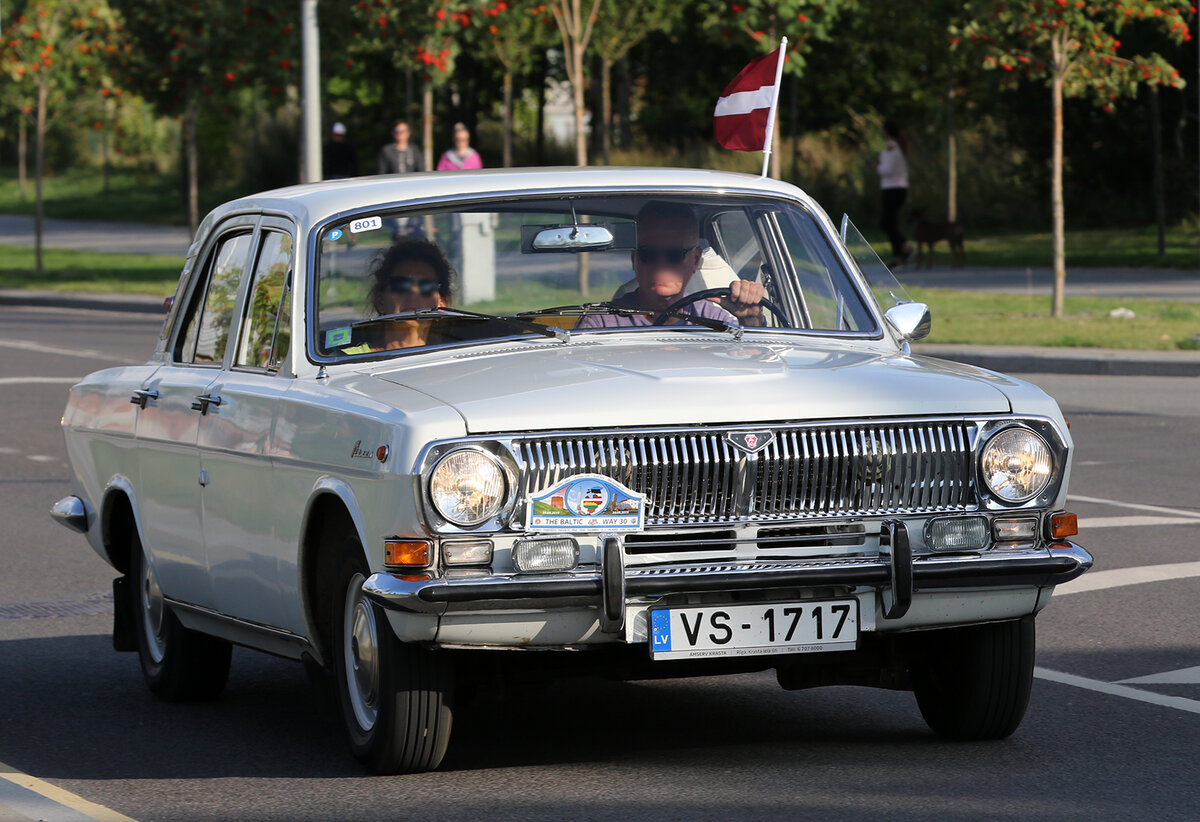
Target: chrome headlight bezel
{"points": [[496, 516], [1056, 449]]}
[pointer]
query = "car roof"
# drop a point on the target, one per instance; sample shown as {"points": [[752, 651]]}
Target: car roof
{"points": [[313, 202]]}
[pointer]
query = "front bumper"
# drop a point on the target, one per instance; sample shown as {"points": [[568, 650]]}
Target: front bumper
{"points": [[608, 587]]}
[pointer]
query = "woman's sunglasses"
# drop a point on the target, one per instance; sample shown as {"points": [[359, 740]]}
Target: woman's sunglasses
{"points": [[650, 254], [426, 288]]}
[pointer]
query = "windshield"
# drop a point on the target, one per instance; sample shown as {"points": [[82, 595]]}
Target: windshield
{"points": [[393, 281]]}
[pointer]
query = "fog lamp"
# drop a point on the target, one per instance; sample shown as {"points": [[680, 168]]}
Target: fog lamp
{"points": [[957, 534], [1015, 530], [467, 553], [555, 554]]}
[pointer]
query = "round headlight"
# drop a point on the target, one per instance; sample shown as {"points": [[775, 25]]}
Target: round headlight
{"points": [[1016, 465], [467, 487]]}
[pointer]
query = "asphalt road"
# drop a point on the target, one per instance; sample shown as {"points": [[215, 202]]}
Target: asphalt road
{"points": [[1112, 730]]}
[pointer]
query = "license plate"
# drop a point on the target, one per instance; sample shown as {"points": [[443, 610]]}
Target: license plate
{"points": [[751, 630]]}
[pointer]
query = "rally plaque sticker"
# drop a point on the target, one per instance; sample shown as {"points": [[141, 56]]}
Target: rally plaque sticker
{"points": [[586, 502]]}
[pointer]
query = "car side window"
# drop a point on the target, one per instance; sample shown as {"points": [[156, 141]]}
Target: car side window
{"points": [[266, 333], [207, 331]]}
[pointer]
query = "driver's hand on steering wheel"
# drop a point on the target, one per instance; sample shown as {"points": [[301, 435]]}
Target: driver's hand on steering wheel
{"points": [[744, 301]]}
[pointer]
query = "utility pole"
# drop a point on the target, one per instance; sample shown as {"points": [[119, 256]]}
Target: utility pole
{"points": [[310, 93]]}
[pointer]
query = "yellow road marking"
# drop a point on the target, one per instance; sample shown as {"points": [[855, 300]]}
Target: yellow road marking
{"points": [[58, 795]]}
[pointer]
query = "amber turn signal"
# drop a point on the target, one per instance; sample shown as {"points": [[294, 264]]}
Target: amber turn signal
{"points": [[408, 554], [1063, 524]]}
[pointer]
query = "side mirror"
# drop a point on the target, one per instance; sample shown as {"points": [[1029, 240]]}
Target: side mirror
{"points": [[910, 321]]}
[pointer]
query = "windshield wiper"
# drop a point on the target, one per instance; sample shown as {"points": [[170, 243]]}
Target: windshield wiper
{"points": [[446, 311], [583, 309]]}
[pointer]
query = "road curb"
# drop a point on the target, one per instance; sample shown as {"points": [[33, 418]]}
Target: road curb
{"points": [[132, 303], [1100, 362]]}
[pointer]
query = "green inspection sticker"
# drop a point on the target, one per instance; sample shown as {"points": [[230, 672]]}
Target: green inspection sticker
{"points": [[337, 336]]}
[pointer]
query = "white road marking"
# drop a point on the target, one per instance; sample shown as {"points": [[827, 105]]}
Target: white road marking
{"points": [[41, 458], [37, 799], [1184, 676], [1179, 703], [1133, 521], [7, 450], [1137, 506], [84, 353], [1099, 580], [38, 380]]}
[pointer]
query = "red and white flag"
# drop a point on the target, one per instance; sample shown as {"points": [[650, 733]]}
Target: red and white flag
{"points": [[743, 112]]}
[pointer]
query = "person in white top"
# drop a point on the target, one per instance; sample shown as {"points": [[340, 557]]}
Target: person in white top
{"points": [[893, 180]]}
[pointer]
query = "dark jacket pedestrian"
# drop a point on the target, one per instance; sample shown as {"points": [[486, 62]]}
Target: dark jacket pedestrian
{"points": [[399, 156], [339, 160]]}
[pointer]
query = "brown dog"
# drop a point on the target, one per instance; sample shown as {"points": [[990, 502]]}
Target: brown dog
{"points": [[929, 234]]}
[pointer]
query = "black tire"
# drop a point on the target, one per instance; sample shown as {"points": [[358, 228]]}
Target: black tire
{"points": [[973, 683], [395, 698], [178, 664]]}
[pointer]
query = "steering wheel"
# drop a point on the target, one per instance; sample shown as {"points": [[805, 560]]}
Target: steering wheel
{"points": [[719, 292]]}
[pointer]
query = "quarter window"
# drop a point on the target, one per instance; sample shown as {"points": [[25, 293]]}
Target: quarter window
{"points": [[207, 333], [266, 334]]}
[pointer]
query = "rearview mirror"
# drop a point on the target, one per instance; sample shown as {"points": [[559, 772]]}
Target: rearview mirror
{"points": [[570, 238]]}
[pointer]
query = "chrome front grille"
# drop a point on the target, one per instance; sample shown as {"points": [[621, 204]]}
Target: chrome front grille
{"points": [[806, 471]]}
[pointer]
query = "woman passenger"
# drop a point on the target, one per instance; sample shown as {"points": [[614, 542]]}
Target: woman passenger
{"points": [[413, 274]]}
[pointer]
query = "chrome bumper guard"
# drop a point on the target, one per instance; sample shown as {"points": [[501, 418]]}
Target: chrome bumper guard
{"points": [[608, 587]]}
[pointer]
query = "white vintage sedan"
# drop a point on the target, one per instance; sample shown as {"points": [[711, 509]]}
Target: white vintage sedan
{"points": [[412, 429]]}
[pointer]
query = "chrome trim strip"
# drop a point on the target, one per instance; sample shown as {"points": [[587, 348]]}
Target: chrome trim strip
{"points": [[251, 634]]}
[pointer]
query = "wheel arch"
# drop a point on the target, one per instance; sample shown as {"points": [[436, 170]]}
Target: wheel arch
{"points": [[118, 521], [331, 515]]}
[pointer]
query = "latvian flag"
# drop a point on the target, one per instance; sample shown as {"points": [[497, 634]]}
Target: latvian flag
{"points": [[740, 119]]}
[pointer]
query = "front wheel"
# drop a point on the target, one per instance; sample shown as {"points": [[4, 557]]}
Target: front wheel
{"points": [[395, 698], [973, 683], [178, 664]]}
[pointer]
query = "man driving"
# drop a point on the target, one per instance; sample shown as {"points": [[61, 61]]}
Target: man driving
{"points": [[667, 256]]}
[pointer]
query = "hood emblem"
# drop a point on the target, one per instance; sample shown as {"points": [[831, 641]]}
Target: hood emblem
{"points": [[750, 441]]}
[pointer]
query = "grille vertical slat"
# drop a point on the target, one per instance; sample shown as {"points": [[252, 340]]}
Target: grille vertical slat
{"points": [[690, 476]]}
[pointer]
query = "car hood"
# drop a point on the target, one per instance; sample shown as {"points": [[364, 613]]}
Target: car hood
{"points": [[524, 386]]}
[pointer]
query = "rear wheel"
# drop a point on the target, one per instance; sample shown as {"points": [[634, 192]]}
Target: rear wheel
{"points": [[973, 683], [395, 698], [178, 664]]}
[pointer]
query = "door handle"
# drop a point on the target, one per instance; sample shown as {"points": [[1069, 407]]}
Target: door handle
{"points": [[204, 401], [143, 396]]}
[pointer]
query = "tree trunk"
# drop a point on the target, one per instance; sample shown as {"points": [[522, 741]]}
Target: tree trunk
{"points": [[1160, 203], [193, 163], [576, 58], [951, 157], [540, 138], [605, 108], [1056, 185], [508, 118], [39, 170], [22, 154], [427, 124]]}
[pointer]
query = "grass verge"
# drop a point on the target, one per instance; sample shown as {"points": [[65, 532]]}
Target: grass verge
{"points": [[1003, 319], [88, 271]]}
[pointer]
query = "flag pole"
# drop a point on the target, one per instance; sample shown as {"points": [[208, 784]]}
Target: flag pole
{"points": [[774, 105]]}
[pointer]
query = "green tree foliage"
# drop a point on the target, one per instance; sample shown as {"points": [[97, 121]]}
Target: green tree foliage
{"points": [[513, 33], [190, 57], [52, 51], [1074, 46]]}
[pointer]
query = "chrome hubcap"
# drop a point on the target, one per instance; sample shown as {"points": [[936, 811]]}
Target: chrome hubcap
{"points": [[360, 648], [153, 612]]}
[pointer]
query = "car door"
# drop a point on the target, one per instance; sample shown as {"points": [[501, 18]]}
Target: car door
{"points": [[251, 571], [170, 478]]}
